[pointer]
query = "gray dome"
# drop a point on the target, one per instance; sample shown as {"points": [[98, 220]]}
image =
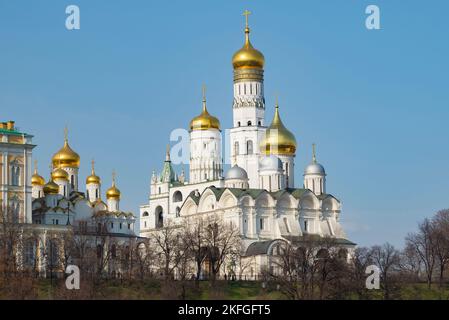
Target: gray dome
{"points": [[236, 173], [271, 163], [315, 168]]}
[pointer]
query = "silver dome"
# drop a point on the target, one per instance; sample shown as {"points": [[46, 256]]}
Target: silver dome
{"points": [[236, 173], [315, 168], [270, 163]]}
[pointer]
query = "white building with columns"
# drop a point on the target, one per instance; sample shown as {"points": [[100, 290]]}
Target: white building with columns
{"points": [[15, 172], [258, 193]]}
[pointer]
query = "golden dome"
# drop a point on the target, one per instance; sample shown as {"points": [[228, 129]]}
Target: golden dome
{"points": [[93, 178], [36, 179], [204, 121], [248, 56], [59, 174], [66, 157], [278, 139], [113, 192], [51, 188]]}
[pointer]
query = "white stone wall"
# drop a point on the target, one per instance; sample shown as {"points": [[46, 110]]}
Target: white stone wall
{"points": [[206, 161]]}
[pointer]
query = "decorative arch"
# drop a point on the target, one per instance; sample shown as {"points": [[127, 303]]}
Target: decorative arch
{"points": [[287, 201], [247, 201], [189, 207], [330, 203], [177, 196], [264, 200], [309, 201], [227, 200], [208, 201]]}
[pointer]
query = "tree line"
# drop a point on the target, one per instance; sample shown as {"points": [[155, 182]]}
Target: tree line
{"points": [[179, 260]]}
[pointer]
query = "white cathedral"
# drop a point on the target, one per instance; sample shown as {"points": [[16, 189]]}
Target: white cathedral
{"points": [[258, 192]]}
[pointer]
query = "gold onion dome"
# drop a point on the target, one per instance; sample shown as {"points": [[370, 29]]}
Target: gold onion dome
{"points": [[36, 179], [204, 121], [93, 178], [59, 174], [51, 188], [66, 157], [248, 56], [113, 192], [278, 139]]}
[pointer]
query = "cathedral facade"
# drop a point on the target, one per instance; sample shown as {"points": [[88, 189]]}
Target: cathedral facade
{"points": [[258, 193], [59, 201]]}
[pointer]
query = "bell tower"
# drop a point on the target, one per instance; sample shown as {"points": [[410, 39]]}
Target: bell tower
{"points": [[248, 108]]}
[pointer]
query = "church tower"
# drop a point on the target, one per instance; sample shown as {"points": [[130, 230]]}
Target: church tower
{"points": [[93, 185], [69, 161], [315, 176], [205, 147], [281, 142], [248, 108], [113, 195]]}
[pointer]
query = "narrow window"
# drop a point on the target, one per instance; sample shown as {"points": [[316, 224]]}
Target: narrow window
{"points": [[236, 148], [249, 147]]}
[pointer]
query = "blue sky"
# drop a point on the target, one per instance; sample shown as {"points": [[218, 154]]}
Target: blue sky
{"points": [[375, 102]]}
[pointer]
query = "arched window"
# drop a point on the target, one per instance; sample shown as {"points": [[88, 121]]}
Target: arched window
{"points": [[15, 173], [159, 190], [178, 211], [72, 181], [159, 215], [96, 193], [249, 123], [238, 124], [145, 214], [177, 196], [249, 147], [236, 148], [259, 123]]}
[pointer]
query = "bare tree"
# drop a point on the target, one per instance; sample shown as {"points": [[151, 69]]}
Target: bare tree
{"points": [[387, 258], [168, 244], [440, 224], [194, 235], [423, 243], [221, 239]]}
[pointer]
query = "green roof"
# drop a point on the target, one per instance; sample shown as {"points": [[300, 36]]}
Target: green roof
{"points": [[11, 132]]}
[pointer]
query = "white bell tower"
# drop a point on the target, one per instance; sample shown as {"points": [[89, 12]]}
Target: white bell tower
{"points": [[248, 108]]}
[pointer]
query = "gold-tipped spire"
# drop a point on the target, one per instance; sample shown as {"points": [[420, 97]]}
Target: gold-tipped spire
{"points": [[248, 56], [36, 179], [66, 157], [278, 139], [93, 178], [113, 192], [204, 121]]}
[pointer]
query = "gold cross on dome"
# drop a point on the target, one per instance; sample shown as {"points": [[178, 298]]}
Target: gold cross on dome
{"points": [[246, 13], [66, 133], [93, 165]]}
